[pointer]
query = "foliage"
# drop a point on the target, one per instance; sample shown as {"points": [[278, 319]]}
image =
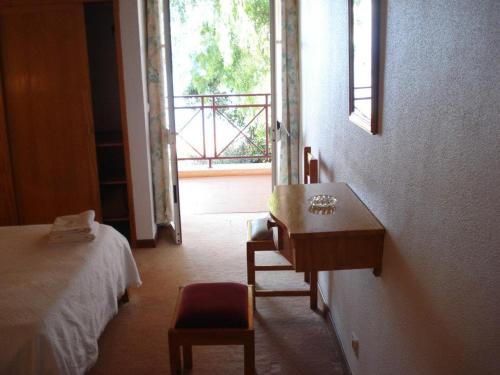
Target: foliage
{"points": [[232, 57]]}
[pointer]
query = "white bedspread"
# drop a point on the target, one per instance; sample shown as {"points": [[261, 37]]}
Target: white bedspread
{"points": [[56, 299]]}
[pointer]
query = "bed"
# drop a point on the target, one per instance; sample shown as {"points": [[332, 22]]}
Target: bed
{"points": [[56, 299]]}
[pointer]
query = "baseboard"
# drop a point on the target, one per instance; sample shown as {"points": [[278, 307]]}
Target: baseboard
{"points": [[327, 311], [140, 244]]}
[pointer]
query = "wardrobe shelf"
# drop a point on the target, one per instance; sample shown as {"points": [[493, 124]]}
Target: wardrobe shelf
{"points": [[110, 144], [115, 219], [113, 182], [108, 127], [108, 139]]}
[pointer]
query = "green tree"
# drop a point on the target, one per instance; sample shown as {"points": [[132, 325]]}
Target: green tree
{"points": [[232, 57], [246, 66]]}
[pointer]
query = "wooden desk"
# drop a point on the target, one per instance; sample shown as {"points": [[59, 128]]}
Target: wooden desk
{"points": [[349, 238]]}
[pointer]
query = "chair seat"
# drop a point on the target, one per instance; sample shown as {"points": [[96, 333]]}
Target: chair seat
{"points": [[258, 229], [213, 305]]}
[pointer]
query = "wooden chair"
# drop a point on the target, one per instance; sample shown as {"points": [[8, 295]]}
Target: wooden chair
{"points": [[310, 167], [265, 235], [310, 177], [212, 314]]}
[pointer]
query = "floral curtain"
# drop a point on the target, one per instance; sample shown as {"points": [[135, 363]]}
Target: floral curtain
{"points": [[158, 120], [290, 131]]}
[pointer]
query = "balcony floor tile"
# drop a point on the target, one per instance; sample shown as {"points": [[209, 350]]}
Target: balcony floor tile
{"points": [[225, 194]]}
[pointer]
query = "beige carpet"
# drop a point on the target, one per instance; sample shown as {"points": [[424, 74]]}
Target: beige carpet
{"points": [[225, 194], [290, 338]]}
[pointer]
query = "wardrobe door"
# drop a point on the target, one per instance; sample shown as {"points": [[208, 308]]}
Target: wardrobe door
{"points": [[48, 110]]}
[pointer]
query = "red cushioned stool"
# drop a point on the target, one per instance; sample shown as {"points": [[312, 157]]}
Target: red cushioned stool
{"points": [[212, 314]]}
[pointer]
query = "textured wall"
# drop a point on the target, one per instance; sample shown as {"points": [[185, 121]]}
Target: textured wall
{"points": [[431, 177]]}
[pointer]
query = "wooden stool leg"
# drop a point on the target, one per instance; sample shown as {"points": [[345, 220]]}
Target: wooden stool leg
{"points": [[187, 356], [307, 277], [249, 355], [250, 266], [314, 290], [175, 355]]}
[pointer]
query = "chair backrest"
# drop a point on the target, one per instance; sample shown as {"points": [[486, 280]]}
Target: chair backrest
{"points": [[310, 167]]}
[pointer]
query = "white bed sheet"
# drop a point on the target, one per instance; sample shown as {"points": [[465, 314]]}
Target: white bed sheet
{"points": [[56, 299]]}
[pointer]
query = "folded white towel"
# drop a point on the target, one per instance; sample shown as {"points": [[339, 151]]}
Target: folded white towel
{"points": [[69, 236], [80, 223]]}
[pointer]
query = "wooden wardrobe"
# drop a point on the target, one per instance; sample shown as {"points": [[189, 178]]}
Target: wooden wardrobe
{"points": [[63, 136]]}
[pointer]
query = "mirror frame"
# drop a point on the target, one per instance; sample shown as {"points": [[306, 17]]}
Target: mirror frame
{"points": [[372, 125]]}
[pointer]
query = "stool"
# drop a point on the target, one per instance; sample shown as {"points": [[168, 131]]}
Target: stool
{"points": [[212, 314]]}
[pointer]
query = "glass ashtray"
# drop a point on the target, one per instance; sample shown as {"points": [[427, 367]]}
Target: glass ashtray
{"points": [[322, 201]]}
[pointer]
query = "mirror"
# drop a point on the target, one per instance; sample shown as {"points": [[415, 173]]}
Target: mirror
{"points": [[364, 63]]}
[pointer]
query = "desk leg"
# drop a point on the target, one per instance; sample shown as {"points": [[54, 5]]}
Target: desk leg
{"points": [[314, 290], [251, 271]]}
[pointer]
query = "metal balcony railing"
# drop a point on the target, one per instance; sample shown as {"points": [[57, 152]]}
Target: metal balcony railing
{"points": [[223, 127]]}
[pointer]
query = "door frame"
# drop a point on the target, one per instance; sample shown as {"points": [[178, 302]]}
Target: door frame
{"points": [[171, 112], [274, 119]]}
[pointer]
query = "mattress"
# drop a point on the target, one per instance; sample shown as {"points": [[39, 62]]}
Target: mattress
{"points": [[56, 299]]}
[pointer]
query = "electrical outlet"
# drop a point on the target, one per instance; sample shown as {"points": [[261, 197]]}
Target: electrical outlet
{"points": [[355, 344]]}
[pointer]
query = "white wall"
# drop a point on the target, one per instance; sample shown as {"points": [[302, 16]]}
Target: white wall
{"points": [[134, 66], [431, 177]]}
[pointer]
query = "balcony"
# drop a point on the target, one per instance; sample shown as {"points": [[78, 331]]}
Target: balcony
{"points": [[222, 129], [223, 146]]}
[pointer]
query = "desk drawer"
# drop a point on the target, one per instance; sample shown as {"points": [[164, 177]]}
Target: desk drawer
{"points": [[338, 253]]}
